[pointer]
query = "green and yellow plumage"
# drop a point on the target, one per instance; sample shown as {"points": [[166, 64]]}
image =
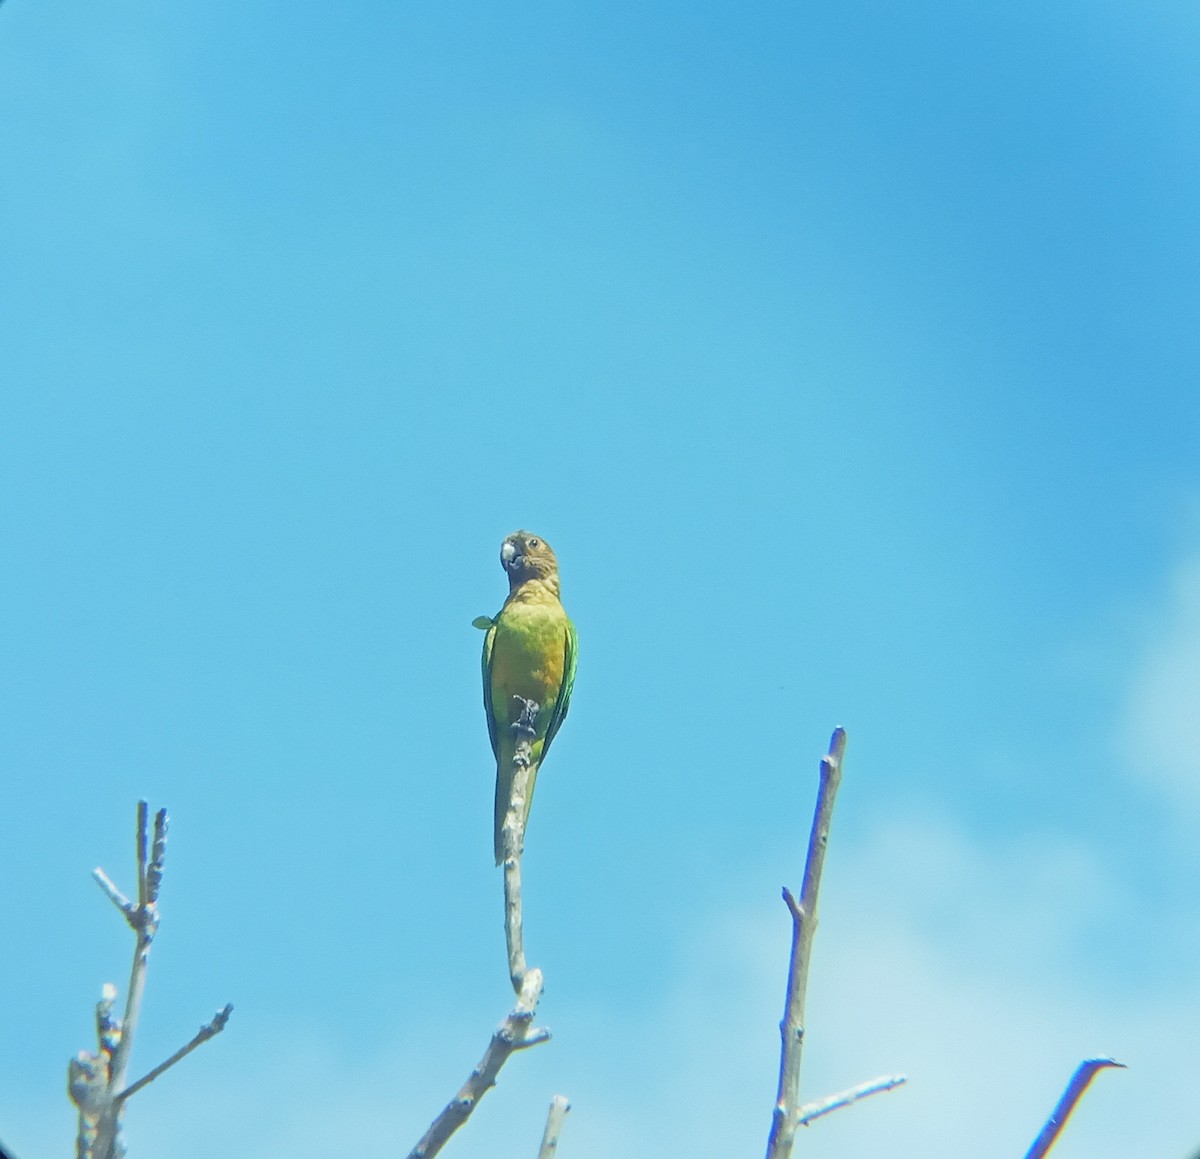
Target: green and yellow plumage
{"points": [[528, 653]]}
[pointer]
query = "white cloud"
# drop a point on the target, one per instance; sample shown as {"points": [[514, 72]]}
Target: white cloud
{"points": [[969, 969], [1162, 725], [965, 968]]}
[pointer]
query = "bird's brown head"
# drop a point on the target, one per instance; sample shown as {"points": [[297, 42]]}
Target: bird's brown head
{"points": [[525, 556]]}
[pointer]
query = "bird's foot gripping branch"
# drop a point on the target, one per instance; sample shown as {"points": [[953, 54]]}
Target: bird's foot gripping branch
{"points": [[524, 728]]}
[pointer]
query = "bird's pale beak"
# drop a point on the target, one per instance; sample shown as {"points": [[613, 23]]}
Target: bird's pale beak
{"points": [[508, 553]]}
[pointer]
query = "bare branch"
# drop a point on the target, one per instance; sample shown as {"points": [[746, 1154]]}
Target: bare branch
{"points": [[516, 1032], [794, 907], [513, 837], [153, 872], [804, 922], [1084, 1073], [143, 809], [99, 1137], [513, 918], [512, 1034], [114, 895], [209, 1030], [144, 920], [811, 1111], [559, 1106], [96, 1082]]}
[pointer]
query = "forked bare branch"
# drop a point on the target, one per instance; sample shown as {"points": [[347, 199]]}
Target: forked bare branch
{"points": [[513, 1034], [96, 1081]]}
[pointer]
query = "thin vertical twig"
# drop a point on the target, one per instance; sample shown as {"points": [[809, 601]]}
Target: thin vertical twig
{"points": [[559, 1106], [1080, 1080], [804, 923], [144, 921]]}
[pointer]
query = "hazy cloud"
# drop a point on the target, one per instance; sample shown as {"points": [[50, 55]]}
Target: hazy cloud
{"points": [[1162, 727]]}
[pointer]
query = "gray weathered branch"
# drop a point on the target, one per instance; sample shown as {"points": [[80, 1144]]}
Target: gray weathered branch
{"points": [[811, 1111], [514, 1033], [559, 1106], [96, 1081], [804, 921], [513, 838], [209, 1030]]}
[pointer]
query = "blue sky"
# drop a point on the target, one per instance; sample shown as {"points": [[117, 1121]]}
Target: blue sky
{"points": [[847, 356]]}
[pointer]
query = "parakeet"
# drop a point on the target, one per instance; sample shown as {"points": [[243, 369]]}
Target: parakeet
{"points": [[528, 654]]}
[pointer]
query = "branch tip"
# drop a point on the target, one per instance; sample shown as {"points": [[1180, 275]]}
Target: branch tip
{"points": [[113, 894], [97, 1082], [559, 1106], [811, 1111], [1078, 1084]]}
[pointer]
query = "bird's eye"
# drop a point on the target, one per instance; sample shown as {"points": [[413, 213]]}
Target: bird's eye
{"points": [[533, 543]]}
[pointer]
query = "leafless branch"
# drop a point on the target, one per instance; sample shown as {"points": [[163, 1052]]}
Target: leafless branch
{"points": [[1080, 1080], [514, 1033], [513, 837], [114, 894], [143, 920], [209, 1030], [811, 1111], [804, 921], [96, 1081], [559, 1106]]}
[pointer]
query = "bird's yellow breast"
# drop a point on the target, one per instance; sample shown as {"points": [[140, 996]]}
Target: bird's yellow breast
{"points": [[528, 656]]}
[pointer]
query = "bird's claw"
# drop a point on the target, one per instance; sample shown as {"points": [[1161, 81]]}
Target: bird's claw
{"points": [[526, 723]]}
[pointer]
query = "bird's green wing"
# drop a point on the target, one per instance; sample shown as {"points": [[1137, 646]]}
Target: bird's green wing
{"points": [[493, 730], [564, 693]]}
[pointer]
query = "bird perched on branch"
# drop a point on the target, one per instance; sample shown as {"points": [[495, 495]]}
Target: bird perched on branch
{"points": [[528, 656]]}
